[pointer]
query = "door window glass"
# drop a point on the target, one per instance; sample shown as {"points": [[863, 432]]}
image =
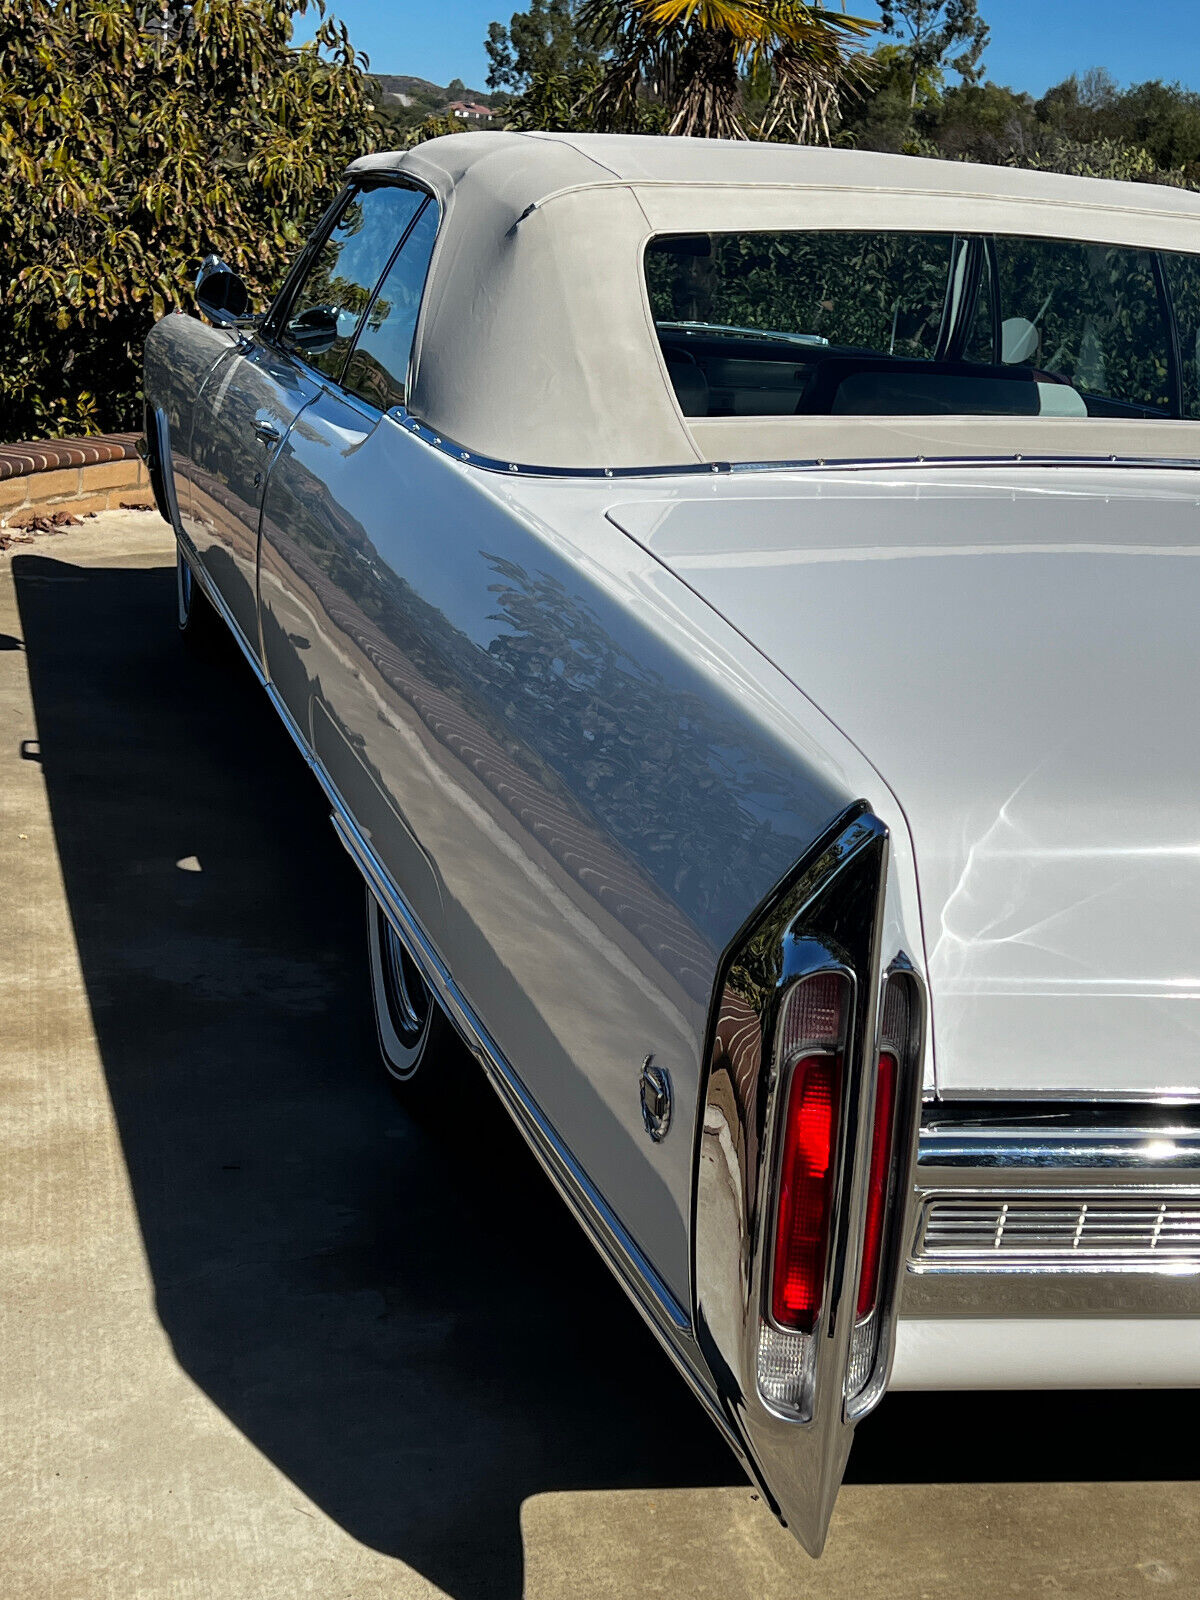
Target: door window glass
{"points": [[1183, 282], [1089, 314], [378, 367], [328, 305]]}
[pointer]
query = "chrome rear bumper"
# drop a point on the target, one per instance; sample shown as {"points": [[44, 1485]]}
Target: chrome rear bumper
{"points": [[1055, 1211]]}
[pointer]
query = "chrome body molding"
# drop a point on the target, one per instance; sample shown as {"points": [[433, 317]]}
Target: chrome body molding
{"points": [[627, 1261], [708, 469], [829, 917], [1061, 1136], [637, 1276], [524, 469]]}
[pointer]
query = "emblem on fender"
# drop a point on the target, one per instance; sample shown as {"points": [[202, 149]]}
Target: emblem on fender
{"points": [[656, 1099]]}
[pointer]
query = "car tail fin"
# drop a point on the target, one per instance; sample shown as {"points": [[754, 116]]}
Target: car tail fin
{"points": [[811, 1104]]}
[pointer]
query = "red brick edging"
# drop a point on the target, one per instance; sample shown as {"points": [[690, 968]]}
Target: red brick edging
{"points": [[48, 455], [41, 476]]}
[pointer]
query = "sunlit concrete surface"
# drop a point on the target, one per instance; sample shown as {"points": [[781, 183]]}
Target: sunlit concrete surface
{"points": [[893, 1542], [265, 1332]]}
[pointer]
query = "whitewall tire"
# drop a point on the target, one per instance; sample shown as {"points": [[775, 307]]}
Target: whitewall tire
{"points": [[411, 1025]]}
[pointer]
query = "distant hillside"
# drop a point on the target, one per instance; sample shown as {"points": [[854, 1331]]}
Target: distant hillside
{"points": [[396, 88]]}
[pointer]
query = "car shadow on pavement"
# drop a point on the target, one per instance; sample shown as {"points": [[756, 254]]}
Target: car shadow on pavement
{"points": [[401, 1315], [398, 1313]]}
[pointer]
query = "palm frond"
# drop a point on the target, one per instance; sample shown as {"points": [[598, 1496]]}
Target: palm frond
{"points": [[692, 55]]}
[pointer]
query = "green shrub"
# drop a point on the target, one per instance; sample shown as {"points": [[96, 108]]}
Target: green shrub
{"points": [[132, 143]]}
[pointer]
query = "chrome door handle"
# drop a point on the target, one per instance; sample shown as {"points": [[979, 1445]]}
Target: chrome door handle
{"points": [[267, 432]]}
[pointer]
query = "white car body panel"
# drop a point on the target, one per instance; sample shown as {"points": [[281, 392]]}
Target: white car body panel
{"points": [[1046, 1353], [1027, 636]]}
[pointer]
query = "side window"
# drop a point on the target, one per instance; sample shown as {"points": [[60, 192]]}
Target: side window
{"points": [[857, 291], [1183, 282], [983, 336], [1089, 313], [329, 302], [378, 367]]}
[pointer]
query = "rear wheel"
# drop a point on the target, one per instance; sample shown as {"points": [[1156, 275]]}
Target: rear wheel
{"points": [[411, 1025]]}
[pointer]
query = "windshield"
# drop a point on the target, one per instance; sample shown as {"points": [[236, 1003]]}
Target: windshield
{"points": [[893, 323]]}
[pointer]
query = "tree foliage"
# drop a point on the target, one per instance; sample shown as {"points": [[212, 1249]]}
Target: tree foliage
{"points": [[1087, 125], [557, 100], [545, 43], [132, 144], [937, 34]]}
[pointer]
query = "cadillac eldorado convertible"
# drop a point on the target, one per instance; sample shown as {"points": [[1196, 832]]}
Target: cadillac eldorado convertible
{"points": [[740, 602]]}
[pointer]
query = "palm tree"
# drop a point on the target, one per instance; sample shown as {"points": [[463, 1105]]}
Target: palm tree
{"points": [[693, 57]]}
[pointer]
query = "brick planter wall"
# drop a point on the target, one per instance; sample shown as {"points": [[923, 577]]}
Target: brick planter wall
{"points": [[41, 477]]}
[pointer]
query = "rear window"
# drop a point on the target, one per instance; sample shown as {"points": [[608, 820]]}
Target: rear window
{"points": [[896, 323]]}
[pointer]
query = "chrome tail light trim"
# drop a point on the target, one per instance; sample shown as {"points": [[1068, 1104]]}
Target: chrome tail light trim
{"points": [[828, 916]]}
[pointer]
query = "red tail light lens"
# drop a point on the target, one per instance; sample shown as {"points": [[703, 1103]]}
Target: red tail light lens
{"points": [[810, 1030], [877, 1185], [805, 1192], [894, 1047]]}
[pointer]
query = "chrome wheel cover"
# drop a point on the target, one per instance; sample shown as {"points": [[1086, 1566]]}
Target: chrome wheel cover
{"points": [[404, 1006], [408, 994]]}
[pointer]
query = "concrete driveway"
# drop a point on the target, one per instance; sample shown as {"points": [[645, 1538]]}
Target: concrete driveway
{"points": [[265, 1334]]}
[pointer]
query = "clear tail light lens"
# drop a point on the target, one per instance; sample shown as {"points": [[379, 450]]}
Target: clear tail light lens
{"points": [[878, 1181], [894, 1050]]}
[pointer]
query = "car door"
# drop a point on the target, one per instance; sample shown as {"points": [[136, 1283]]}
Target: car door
{"points": [[255, 393], [249, 402], [317, 561]]}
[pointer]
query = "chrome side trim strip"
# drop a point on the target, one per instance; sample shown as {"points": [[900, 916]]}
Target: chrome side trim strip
{"points": [[615, 1243], [200, 577], [524, 469], [635, 1273], [632, 1269], [473, 458]]}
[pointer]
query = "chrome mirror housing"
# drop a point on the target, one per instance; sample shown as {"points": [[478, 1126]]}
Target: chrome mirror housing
{"points": [[220, 293]]}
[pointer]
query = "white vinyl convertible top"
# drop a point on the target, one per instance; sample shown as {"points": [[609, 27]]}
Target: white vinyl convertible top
{"points": [[536, 344]]}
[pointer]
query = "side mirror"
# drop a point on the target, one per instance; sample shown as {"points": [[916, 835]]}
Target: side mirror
{"points": [[220, 293], [313, 330]]}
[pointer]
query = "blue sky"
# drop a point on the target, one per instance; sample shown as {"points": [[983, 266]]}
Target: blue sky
{"points": [[1034, 42]]}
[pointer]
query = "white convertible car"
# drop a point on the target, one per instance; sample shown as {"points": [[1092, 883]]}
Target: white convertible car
{"points": [[740, 602]]}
